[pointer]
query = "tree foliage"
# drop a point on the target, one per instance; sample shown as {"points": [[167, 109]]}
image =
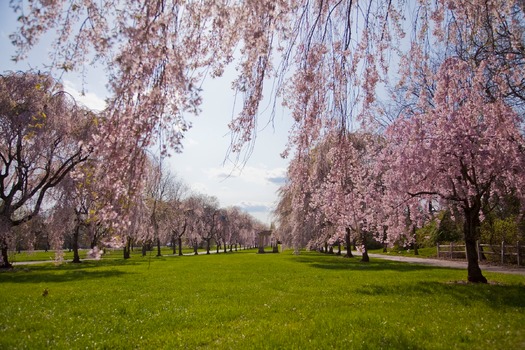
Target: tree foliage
{"points": [[45, 137]]}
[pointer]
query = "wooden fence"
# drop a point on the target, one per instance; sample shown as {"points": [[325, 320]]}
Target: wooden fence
{"points": [[503, 250]]}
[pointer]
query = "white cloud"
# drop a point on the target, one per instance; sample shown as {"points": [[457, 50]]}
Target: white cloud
{"points": [[88, 99], [249, 174], [200, 187]]}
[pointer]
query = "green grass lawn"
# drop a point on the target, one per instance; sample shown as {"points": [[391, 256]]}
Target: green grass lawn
{"points": [[257, 301]]}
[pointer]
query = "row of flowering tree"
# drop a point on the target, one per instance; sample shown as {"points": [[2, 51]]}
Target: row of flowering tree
{"points": [[457, 148], [52, 189]]}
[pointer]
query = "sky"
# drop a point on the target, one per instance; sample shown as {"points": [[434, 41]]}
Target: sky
{"points": [[203, 164]]}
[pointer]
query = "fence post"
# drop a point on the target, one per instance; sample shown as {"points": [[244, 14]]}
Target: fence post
{"points": [[502, 252], [451, 250], [438, 249]]}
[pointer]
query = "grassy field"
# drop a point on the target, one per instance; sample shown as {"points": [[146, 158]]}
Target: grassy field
{"points": [[245, 300]]}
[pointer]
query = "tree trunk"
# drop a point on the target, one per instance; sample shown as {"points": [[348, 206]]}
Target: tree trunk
{"points": [[5, 257], [470, 231], [225, 247], [348, 244], [364, 257], [127, 248], [180, 246], [218, 247], [195, 247], [174, 244], [76, 233], [159, 253], [385, 244], [416, 252], [207, 246]]}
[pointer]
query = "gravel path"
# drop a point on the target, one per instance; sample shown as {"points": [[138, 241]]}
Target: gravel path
{"points": [[455, 264]]}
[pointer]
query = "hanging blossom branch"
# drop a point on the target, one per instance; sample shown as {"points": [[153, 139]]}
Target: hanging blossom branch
{"points": [[331, 57]]}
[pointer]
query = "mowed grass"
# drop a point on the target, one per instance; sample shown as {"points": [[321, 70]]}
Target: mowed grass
{"points": [[245, 300]]}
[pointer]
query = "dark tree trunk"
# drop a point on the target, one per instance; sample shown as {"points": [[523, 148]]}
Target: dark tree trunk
{"points": [[364, 257], [218, 247], [207, 246], [5, 257], [416, 252], [159, 253], [174, 244], [180, 246], [127, 248], [225, 247], [231, 248], [144, 249], [384, 240], [470, 232], [338, 248], [348, 244], [76, 234], [195, 247]]}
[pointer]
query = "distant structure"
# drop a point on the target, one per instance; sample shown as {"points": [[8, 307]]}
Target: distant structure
{"points": [[266, 238]]}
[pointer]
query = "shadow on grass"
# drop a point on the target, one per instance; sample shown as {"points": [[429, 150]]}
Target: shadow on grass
{"points": [[66, 272], [333, 262], [493, 295]]}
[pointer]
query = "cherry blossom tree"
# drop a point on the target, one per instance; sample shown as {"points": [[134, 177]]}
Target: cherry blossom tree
{"points": [[78, 207], [163, 193], [340, 187], [463, 147], [178, 222], [138, 226], [211, 218], [239, 227], [72, 213], [45, 137], [194, 214]]}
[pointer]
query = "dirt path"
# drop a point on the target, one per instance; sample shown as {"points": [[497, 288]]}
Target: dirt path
{"points": [[448, 263]]}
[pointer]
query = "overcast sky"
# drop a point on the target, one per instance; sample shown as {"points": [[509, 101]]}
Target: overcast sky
{"points": [[203, 164]]}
